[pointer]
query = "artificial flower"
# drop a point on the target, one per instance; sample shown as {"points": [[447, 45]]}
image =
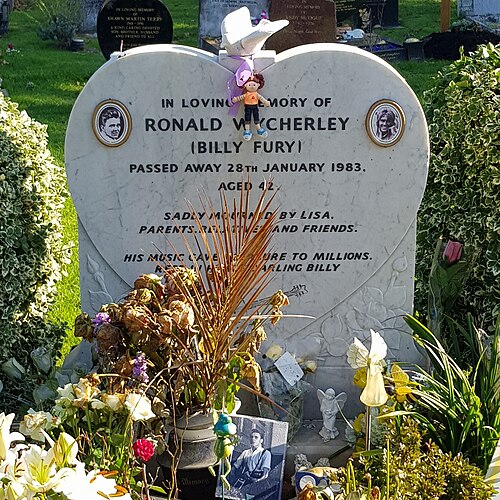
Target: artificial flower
{"points": [[402, 383], [91, 486], [65, 450], [143, 449], [274, 352], [41, 475], [34, 422], [85, 391], [13, 369], [7, 437], [113, 401], [139, 407], [42, 359], [452, 252], [358, 356]]}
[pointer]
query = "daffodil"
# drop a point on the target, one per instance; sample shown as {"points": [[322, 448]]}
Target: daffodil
{"points": [[402, 384], [358, 356]]}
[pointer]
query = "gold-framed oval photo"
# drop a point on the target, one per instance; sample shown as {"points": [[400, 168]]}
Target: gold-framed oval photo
{"points": [[112, 123], [385, 123]]}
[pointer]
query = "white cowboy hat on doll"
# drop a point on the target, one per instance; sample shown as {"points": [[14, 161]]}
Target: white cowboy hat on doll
{"points": [[241, 38]]}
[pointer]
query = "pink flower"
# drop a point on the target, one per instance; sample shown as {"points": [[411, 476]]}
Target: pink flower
{"points": [[11, 46], [452, 251], [143, 449]]}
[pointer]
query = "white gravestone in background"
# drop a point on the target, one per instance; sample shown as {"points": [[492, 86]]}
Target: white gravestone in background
{"points": [[212, 12], [478, 7], [347, 196]]}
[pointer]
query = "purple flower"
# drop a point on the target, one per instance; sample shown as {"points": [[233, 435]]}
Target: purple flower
{"points": [[452, 251], [99, 320], [139, 369]]}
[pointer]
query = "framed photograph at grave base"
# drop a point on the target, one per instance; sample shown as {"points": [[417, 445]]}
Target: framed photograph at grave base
{"points": [[111, 123], [258, 460], [385, 123]]}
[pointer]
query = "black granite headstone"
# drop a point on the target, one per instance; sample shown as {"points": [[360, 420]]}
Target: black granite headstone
{"points": [[383, 12], [125, 24]]}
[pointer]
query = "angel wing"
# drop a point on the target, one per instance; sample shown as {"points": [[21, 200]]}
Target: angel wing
{"points": [[357, 354], [341, 400], [378, 348], [320, 395]]}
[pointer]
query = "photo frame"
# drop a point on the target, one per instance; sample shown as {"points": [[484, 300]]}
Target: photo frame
{"points": [[112, 123], [385, 123], [258, 460]]}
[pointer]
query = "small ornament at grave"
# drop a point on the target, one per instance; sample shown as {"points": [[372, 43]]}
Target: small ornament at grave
{"points": [[251, 98], [330, 405], [241, 38]]}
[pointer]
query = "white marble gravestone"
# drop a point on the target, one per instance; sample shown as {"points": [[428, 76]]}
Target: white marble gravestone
{"points": [[347, 196], [478, 7]]}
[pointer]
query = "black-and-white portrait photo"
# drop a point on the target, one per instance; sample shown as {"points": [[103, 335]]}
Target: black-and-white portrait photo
{"points": [[385, 123], [111, 123], [258, 460]]}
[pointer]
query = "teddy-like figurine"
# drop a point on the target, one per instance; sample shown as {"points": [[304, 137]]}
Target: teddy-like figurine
{"points": [[251, 99]]}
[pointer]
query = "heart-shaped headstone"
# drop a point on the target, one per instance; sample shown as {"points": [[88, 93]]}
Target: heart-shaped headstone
{"points": [[350, 181]]}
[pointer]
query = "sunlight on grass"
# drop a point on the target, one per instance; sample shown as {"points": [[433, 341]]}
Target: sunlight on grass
{"points": [[70, 87]]}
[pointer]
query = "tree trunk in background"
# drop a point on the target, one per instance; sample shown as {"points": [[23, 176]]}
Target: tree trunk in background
{"points": [[445, 15]]}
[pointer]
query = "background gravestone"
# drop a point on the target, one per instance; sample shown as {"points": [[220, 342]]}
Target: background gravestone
{"points": [[478, 7], [91, 10], [212, 12], [125, 24], [311, 21], [347, 198]]}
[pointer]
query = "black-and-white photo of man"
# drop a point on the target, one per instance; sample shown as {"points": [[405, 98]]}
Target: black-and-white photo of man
{"points": [[111, 124], [253, 464], [258, 460]]}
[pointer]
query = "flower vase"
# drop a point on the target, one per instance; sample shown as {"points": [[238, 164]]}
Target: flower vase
{"points": [[196, 439]]}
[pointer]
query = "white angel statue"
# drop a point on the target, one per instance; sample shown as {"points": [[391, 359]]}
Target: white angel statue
{"points": [[330, 405]]}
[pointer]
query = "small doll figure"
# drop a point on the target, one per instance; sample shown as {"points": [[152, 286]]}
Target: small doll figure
{"points": [[251, 99]]}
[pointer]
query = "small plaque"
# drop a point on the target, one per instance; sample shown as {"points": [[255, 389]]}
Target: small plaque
{"points": [[289, 368], [385, 123], [111, 123]]}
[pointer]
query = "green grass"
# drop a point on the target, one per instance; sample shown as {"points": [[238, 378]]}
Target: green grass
{"points": [[45, 81]]}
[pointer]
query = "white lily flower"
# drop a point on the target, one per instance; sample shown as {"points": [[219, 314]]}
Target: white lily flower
{"points": [[358, 356], [91, 486], [7, 437], [64, 451], [139, 407], [41, 475]]}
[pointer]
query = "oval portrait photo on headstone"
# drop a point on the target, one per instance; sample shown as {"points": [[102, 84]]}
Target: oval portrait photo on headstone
{"points": [[385, 123], [111, 123]]}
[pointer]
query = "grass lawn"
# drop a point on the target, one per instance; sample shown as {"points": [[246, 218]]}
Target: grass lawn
{"points": [[45, 81]]}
